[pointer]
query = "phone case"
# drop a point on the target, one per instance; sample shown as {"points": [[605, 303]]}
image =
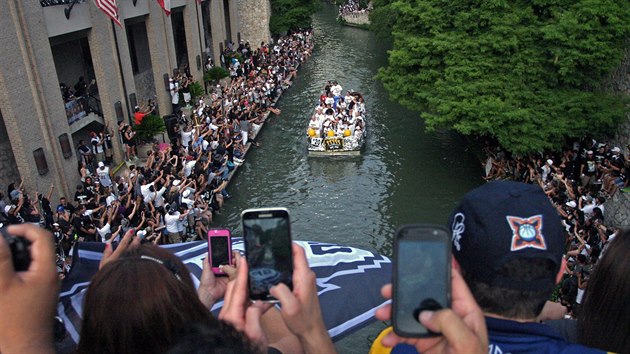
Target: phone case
{"points": [[216, 233]]}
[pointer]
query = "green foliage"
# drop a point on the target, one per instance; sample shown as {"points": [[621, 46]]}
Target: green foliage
{"points": [[150, 126], [215, 74], [291, 14], [196, 90], [526, 73], [382, 18], [237, 55]]}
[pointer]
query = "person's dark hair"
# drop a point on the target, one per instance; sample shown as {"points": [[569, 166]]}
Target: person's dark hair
{"points": [[605, 313], [512, 303], [199, 338], [138, 305]]}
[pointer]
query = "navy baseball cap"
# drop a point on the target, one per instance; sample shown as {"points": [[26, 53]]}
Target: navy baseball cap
{"points": [[501, 221]]}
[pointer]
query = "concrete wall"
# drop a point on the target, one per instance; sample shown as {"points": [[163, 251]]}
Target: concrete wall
{"points": [[357, 19], [57, 23], [254, 20], [32, 111], [618, 208], [8, 167]]}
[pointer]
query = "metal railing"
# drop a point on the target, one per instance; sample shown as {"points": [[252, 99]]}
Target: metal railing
{"points": [[45, 3]]}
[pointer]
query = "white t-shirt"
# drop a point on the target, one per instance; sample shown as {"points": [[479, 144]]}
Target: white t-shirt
{"points": [[103, 176], [174, 94], [106, 229], [172, 222], [188, 167], [336, 90], [144, 190]]}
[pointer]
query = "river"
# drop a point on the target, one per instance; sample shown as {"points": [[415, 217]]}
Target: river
{"points": [[405, 175]]}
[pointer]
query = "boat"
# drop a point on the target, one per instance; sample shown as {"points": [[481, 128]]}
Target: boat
{"points": [[337, 126]]}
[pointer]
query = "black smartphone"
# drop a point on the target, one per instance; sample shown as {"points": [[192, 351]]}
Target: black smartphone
{"points": [[267, 236], [422, 276]]}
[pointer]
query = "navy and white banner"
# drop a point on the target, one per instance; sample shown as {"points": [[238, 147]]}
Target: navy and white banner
{"points": [[348, 281]]}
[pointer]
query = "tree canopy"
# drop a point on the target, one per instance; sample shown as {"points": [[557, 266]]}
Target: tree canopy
{"points": [[528, 73], [291, 14]]}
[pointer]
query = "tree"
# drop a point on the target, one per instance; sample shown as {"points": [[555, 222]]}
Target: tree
{"points": [[290, 15], [527, 73]]}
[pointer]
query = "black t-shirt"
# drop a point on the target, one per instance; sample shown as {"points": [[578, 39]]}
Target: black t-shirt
{"points": [[589, 166], [82, 196]]}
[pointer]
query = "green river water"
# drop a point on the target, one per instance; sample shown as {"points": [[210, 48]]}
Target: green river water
{"points": [[404, 175]]}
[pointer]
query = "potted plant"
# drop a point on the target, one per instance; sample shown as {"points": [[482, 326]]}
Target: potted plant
{"points": [[215, 74], [196, 90], [146, 132]]}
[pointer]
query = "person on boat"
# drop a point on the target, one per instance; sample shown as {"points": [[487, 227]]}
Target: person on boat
{"points": [[315, 125], [329, 101], [336, 90]]}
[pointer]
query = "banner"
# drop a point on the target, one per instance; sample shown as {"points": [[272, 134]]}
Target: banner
{"points": [[349, 281]]}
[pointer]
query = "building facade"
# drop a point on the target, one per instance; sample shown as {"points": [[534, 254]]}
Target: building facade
{"points": [[46, 45]]}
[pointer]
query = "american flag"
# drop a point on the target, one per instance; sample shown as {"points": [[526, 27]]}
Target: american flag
{"points": [[110, 8]]}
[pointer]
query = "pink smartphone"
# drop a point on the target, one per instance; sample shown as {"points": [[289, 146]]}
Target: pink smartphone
{"points": [[219, 249]]}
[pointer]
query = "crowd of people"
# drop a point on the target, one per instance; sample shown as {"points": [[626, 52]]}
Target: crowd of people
{"points": [[513, 242], [338, 115], [352, 7], [578, 181], [172, 195]]}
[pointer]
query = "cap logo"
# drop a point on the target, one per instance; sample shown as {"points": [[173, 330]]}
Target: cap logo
{"points": [[457, 229], [527, 232]]}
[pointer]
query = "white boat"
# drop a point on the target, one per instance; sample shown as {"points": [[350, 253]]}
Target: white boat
{"points": [[337, 129]]}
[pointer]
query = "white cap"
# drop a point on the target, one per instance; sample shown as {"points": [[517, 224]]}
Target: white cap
{"points": [[101, 164], [7, 208], [176, 182], [550, 162], [616, 149], [186, 193], [571, 204]]}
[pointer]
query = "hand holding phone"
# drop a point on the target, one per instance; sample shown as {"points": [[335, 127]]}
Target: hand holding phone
{"points": [[422, 276], [267, 238], [219, 249], [462, 328]]}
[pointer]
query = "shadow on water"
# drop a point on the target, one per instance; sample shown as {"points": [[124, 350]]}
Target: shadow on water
{"points": [[405, 175]]}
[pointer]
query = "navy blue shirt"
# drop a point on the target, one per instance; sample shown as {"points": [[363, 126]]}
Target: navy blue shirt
{"points": [[511, 337], [531, 337]]}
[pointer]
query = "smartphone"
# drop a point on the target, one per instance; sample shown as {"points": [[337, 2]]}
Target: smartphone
{"points": [[422, 276], [219, 249], [267, 236]]}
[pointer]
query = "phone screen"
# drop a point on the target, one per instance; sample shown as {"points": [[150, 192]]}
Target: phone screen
{"points": [[422, 279], [268, 247], [220, 250]]}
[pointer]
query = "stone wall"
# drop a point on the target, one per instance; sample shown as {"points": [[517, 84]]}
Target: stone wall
{"points": [[357, 19], [145, 86], [8, 167], [618, 208], [254, 20]]}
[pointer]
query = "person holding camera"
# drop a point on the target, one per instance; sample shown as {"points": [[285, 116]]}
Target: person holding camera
{"points": [[28, 298]]}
